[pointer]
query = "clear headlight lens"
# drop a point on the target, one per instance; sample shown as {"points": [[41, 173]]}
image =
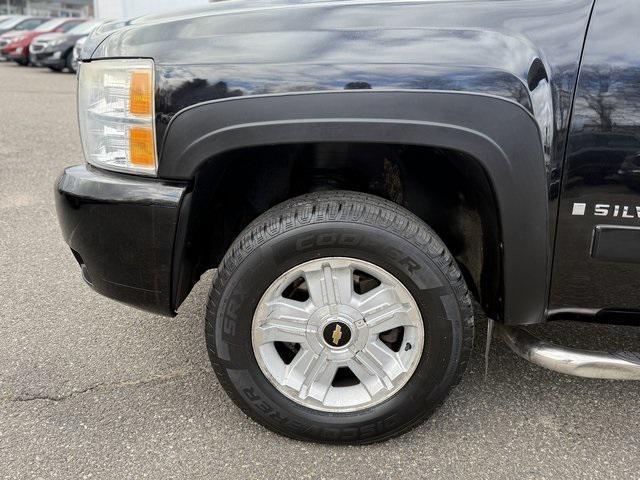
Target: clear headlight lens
{"points": [[53, 43], [116, 111]]}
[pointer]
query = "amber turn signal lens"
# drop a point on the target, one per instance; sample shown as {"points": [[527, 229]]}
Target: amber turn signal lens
{"points": [[140, 93], [141, 147]]}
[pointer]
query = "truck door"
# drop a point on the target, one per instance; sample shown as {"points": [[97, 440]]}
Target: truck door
{"points": [[597, 252]]}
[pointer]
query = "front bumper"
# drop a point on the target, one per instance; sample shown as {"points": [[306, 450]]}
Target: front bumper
{"points": [[48, 59], [121, 230], [15, 53]]}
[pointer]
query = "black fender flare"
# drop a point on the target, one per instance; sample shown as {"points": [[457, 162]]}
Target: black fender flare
{"points": [[500, 134]]}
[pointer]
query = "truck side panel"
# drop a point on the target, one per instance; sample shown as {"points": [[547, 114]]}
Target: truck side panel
{"points": [[597, 262]]}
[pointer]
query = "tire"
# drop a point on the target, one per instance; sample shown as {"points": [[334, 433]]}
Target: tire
{"points": [[56, 69], [70, 63], [339, 226]]}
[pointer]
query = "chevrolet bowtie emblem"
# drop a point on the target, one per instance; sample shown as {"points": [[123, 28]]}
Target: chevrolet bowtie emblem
{"points": [[336, 335]]}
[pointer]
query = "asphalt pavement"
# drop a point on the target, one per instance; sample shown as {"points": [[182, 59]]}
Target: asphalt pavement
{"points": [[90, 388]]}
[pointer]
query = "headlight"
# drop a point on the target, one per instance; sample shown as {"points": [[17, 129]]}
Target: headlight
{"points": [[53, 43], [116, 111]]}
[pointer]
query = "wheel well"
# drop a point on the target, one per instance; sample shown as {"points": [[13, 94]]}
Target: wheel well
{"points": [[447, 189]]}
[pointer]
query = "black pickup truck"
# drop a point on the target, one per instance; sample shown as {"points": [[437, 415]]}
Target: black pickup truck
{"points": [[356, 172]]}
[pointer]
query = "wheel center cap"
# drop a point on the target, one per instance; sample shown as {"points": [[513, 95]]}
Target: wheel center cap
{"points": [[336, 334]]}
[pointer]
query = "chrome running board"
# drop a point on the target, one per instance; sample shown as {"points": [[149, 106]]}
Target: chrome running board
{"points": [[571, 361]]}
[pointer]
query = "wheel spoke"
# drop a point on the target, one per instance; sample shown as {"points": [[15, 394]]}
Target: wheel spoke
{"points": [[295, 372], [383, 355], [318, 378], [286, 308], [366, 375], [330, 286], [280, 331], [286, 322], [376, 366], [388, 318], [376, 299]]}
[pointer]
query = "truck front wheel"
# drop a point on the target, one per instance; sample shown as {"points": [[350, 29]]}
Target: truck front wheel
{"points": [[339, 317]]}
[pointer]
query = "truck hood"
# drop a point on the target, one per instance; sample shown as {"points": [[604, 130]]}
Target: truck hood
{"points": [[50, 36], [223, 7], [10, 33]]}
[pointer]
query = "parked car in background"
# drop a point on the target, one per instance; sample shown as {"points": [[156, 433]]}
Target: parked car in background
{"points": [[5, 19], [55, 50], [17, 49], [19, 23], [14, 27]]}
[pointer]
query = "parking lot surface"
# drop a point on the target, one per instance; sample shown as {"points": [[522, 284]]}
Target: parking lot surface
{"points": [[90, 388]]}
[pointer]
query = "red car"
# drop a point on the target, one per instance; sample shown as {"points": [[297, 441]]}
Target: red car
{"points": [[17, 42]]}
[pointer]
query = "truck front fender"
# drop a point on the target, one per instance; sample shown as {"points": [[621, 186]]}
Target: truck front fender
{"points": [[499, 134]]}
